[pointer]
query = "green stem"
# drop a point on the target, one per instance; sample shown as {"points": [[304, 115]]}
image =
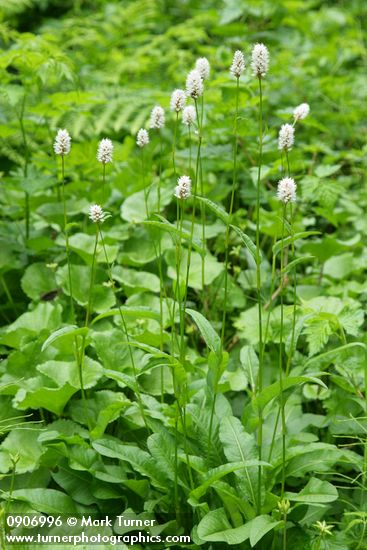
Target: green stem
{"points": [[25, 167], [226, 245], [81, 358], [66, 233], [159, 173], [174, 146], [281, 352], [143, 182], [258, 288], [104, 182], [124, 326]]}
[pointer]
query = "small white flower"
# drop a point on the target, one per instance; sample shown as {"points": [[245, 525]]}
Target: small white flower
{"points": [[105, 151], [62, 144], [178, 100], [194, 84], [286, 137], [260, 60], [183, 187], [142, 138], [238, 64], [287, 188], [157, 118], [301, 111], [188, 115], [96, 213], [202, 65]]}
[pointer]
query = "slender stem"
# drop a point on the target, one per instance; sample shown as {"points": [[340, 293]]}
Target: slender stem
{"points": [[109, 271], [81, 358], [25, 167], [226, 245], [143, 182], [174, 145], [282, 411], [190, 148], [203, 218], [193, 213], [258, 287], [159, 173], [66, 233], [104, 181]]}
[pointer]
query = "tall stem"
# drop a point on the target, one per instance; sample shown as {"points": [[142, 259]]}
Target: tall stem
{"points": [[86, 323], [104, 181], [258, 287], [282, 412], [226, 242], [66, 233], [123, 322], [174, 146], [25, 167]]}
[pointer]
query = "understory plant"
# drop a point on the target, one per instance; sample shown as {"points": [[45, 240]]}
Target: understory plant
{"points": [[182, 332]]}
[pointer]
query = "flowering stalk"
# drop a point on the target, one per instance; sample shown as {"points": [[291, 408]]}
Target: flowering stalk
{"points": [[25, 167], [157, 122], [260, 61], [62, 147], [188, 118], [142, 139], [237, 68]]}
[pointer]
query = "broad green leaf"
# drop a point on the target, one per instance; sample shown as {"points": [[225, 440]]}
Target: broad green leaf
{"points": [[38, 280], [215, 527], [315, 492], [47, 501], [69, 331]]}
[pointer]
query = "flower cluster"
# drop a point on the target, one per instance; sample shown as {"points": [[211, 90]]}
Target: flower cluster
{"points": [[286, 137], [238, 64], [142, 137], [183, 187], [203, 67], [301, 111], [194, 84], [178, 100], [287, 188], [105, 151], [260, 60], [96, 213], [62, 144], [157, 118], [188, 115]]}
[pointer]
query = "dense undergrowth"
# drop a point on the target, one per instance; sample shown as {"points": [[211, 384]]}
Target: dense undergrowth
{"points": [[133, 398]]}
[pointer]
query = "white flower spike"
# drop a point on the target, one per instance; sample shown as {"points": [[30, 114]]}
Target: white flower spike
{"points": [[96, 213], [202, 65], [62, 144], [142, 138], [194, 84], [238, 64], [260, 60], [178, 100], [286, 137], [301, 111], [157, 118], [188, 115], [183, 188], [286, 192], [105, 151]]}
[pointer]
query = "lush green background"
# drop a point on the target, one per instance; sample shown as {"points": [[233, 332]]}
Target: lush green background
{"points": [[97, 69]]}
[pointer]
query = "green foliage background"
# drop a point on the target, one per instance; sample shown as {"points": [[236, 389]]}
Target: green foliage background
{"points": [[97, 68]]}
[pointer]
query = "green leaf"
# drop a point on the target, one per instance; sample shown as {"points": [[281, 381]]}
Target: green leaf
{"points": [[215, 527], [47, 501], [137, 312], [250, 245], [260, 526], [38, 280], [69, 331], [172, 230], [215, 208], [273, 390], [315, 492], [211, 338]]}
